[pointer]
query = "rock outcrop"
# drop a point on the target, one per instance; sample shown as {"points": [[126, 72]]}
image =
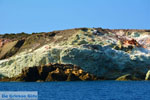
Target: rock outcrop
{"points": [[127, 77], [105, 53], [52, 72]]}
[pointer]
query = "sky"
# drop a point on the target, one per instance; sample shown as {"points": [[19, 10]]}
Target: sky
{"points": [[49, 15]]}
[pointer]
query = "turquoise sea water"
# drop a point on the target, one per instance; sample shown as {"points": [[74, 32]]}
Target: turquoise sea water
{"points": [[93, 90]]}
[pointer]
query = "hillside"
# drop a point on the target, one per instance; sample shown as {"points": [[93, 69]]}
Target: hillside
{"points": [[106, 54]]}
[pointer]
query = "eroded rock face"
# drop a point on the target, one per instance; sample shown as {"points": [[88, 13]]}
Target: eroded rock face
{"points": [[52, 72], [108, 54]]}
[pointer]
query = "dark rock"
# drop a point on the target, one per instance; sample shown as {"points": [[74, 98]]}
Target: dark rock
{"points": [[52, 72], [72, 77], [30, 74], [57, 75], [44, 71]]}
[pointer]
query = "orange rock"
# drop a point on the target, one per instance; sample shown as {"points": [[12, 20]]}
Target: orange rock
{"points": [[67, 71], [75, 72], [80, 71], [85, 77], [131, 42]]}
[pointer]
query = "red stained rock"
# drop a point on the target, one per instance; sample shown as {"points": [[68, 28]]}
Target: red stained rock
{"points": [[131, 42]]}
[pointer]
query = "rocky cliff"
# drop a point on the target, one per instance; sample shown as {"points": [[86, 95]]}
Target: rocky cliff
{"points": [[52, 72], [103, 53]]}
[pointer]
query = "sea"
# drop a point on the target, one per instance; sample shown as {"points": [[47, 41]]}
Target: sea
{"points": [[83, 90]]}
